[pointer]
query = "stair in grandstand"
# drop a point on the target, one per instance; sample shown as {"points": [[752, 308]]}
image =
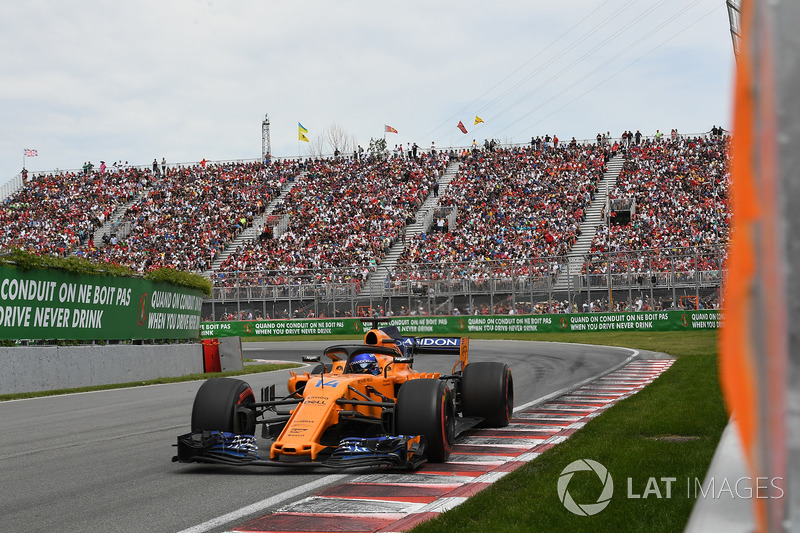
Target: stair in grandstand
{"points": [[377, 280], [258, 225], [114, 224], [594, 218]]}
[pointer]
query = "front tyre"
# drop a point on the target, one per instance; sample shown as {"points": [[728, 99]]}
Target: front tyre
{"points": [[487, 391], [221, 404], [425, 407]]}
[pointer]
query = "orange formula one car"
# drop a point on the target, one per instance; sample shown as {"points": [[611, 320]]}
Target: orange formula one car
{"points": [[366, 407]]}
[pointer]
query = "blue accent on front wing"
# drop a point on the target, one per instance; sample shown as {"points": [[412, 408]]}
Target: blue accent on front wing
{"points": [[388, 449], [244, 446]]}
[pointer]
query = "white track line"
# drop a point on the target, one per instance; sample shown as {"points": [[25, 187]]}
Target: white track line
{"points": [[264, 504]]}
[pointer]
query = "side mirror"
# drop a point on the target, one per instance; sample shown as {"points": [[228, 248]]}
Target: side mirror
{"points": [[406, 360], [311, 359]]}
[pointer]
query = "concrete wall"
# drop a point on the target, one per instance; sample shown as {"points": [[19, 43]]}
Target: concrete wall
{"points": [[40, 368]]}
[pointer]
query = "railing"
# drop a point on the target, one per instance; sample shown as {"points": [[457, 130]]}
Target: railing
{"points": [[120, 228], [276, 223], [613, 281], [433, 216], [10, 187], [279, 224]]}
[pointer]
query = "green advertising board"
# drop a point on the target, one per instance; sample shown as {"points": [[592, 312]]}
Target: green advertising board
{"points": [[266, 328], [52, 304], [466, 324]]}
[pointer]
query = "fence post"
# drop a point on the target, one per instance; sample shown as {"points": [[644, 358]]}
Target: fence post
{"points": [[513, 286], [317, 287], [238, 298], [288, 289], [608, 281], [450, 291], [589, 275], [674, 280], [630, 285], [491, 280], [531, 281], [570, 303], [696, 279], [213, 299], [351, 290], [391, 291]]}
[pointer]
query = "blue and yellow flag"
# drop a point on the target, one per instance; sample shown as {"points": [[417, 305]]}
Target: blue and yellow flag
{"points": [[301, 128]]}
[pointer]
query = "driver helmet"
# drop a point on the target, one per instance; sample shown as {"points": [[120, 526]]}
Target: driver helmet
{"points": [[365, 363]]}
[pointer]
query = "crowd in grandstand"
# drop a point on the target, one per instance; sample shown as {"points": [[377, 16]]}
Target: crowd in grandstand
{"points": [[516, 208], [343, 216], [57, 212], [679, 193], [190, 214], [514, 205]]}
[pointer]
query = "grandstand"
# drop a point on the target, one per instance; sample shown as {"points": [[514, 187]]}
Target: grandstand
{"points": [[189, 215], [343, 216], [592, 225]]}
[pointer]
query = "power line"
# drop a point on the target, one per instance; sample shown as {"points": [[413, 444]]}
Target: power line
{"points": [[577, 61], [612, 75], [506, 93], [448, 122]]}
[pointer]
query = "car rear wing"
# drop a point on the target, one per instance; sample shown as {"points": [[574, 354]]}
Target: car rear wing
{"points": [[438, 345], [411, 346], [422, 345]]}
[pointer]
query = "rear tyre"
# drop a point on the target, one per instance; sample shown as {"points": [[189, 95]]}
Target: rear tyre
{"points": [[487, 391], [425, 407], [222, 404]]}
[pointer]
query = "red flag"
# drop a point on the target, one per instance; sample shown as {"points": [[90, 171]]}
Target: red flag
{"points": [[389, 129], [461, 127]]}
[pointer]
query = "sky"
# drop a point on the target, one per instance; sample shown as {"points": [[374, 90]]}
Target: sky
{"points": [[186, 80]]}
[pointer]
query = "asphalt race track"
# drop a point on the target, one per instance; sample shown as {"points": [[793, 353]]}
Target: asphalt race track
{"points": [[101, 461]]}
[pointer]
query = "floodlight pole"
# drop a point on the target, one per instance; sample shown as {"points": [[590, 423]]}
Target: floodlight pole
{"points": [[735, 19], [266, 150]]}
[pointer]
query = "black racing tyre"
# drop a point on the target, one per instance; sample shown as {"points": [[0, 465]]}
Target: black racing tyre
{"points": [[426, 407], [221, 404], [487, 391]]}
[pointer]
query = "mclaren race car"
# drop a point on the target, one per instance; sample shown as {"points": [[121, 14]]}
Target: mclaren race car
{"points": [[367, 406]]}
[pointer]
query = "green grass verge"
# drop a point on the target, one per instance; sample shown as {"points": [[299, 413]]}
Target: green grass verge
{"points": [[249, 369], [639, 438]]}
